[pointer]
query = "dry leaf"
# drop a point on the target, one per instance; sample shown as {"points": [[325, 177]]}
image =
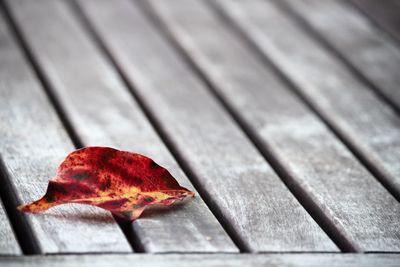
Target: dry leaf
{"points": [[122, 182]]}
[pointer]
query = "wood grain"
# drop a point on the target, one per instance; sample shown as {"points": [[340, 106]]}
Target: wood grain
{"points": [[367, 125], [386, 14], [369, 50], [239, 185], [178, 260], [314, 159], [32, 144], [102, 112], [8, 242]]}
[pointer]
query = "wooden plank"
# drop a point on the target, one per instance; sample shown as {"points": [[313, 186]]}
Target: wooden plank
{"points": [[315, 160], [32, 144], [364, 122], [103, 113], [178, 260], [385, 13], [257, 209], [368, 50], [8, 242]]}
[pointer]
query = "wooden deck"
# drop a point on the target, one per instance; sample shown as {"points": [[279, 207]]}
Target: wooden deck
{"points": [[283, 116]]}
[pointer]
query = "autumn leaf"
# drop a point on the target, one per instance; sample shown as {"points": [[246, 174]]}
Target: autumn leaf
{"points": [[122, 182]]}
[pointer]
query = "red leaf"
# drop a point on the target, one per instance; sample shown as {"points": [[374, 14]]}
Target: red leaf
{"points": [[122, 182]]}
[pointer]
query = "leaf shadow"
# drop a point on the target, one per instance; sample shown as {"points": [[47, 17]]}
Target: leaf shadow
{"points": [[160, 210], [105, 217], [98, 216]]}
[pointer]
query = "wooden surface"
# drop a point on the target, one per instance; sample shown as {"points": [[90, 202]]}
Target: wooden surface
{"points": [[33, 143], [384, 14], [366, 124], [205, 137], [370, 51], [8, 242], [96, 101], [178, 260], [282, 116], [315, 162]]}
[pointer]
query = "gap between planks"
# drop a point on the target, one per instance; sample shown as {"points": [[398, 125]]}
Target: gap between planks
{"points": [[16, 235]]}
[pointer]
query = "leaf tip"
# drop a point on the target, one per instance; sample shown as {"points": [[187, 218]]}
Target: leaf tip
{"points": [[24, 208], [36, 206], [21, 207], [187, 193], [190, 194]]}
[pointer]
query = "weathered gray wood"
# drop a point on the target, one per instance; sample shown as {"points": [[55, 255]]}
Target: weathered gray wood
{"points": [[8, 242], [370, 51], [32, 144], [385, 13], [103, 113], [315, 159], [368, 125], [178, 260], [260, 211]]}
